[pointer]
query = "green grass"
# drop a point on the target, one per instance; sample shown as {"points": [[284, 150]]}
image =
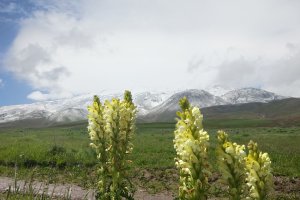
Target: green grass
{"points": [[62, 154], [56, 147], [62, 147], [237, 123], [282, 144]]}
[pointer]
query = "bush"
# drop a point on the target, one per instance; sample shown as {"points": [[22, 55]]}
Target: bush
{"points": [[56, 150]]}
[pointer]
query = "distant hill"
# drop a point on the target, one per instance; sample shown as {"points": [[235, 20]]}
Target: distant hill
{"points": [[285, 111], [276, 109]]}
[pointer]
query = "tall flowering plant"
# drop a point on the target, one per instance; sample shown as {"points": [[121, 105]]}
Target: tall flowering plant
{"points": [[191, 145], [259, 178], [231, 164], [111, 128], [247, 176], [99, 142]]}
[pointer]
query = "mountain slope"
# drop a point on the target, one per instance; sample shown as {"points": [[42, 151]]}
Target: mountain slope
{"points": [[70, 110], [167, 110], [218, 90], [284, 111], [248, 95], [145, 101], [278, 109]]}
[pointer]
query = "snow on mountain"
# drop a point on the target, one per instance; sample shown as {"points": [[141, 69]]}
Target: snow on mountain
{"points": [[167, 109], [248, 95], [152, 106], [200, 98], [145, 101], [218, 90], [68, 115], [43, 110], [19, 112], [74, 109]]}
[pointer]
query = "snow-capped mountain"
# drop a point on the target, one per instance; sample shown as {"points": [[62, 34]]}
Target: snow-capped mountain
{"points": [[152, 106], [199, 98], [145, 101], [45, 110], [218, 90], [74, 109], [248, 95]]}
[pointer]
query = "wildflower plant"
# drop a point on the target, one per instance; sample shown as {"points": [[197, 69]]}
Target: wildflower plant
{"points": [[231, 164], [247, 176], [111, 128], [191, 145], [259, 177]]}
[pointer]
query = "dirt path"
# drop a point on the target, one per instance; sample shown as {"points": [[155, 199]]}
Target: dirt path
{"points": [[75, 192], [285, 188]]}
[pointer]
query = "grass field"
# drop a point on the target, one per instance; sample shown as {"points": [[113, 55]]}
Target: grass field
{"points": [[62, 154]]}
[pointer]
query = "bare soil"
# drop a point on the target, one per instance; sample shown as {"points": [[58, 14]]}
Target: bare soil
{"points": [[68, 190], [284, 187]]}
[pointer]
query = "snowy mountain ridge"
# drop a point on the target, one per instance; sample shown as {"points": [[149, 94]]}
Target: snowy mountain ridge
{"points": [[218, 90], [73, 109], [149, 104], [248, 95]]}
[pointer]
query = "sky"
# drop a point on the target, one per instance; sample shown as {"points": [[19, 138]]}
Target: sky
{"points": [[51, 49]]}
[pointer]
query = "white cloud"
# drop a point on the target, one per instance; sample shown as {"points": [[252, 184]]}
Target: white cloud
{"points": [[280, 75], [92, 46], [41, 96], [38, 96], [1, 83]]}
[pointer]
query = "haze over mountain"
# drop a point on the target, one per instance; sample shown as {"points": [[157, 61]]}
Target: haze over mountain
{"points": [[152, 106]]}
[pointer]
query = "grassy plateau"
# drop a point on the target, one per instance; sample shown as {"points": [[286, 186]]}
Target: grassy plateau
{"points": [[62, 154]]}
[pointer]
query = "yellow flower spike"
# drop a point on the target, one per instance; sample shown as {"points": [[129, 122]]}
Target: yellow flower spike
{"points": [[191, 144], [259, 177], [231, 165], [111, 128]]}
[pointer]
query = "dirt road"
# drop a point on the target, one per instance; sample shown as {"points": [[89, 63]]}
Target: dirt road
{"points": [[73, 191]]}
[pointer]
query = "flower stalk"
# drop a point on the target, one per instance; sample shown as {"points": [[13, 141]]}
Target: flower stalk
{"points": [[259, 177], [111, 128], [231, 164], [191, 144]]}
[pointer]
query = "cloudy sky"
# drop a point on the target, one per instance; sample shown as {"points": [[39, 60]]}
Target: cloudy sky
{"points": [[57, 49]]}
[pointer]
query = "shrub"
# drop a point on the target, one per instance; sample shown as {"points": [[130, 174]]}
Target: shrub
{"points": [[56, 150]]}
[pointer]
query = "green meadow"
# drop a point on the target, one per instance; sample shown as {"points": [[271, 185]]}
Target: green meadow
{"points": [[62, 154]]}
